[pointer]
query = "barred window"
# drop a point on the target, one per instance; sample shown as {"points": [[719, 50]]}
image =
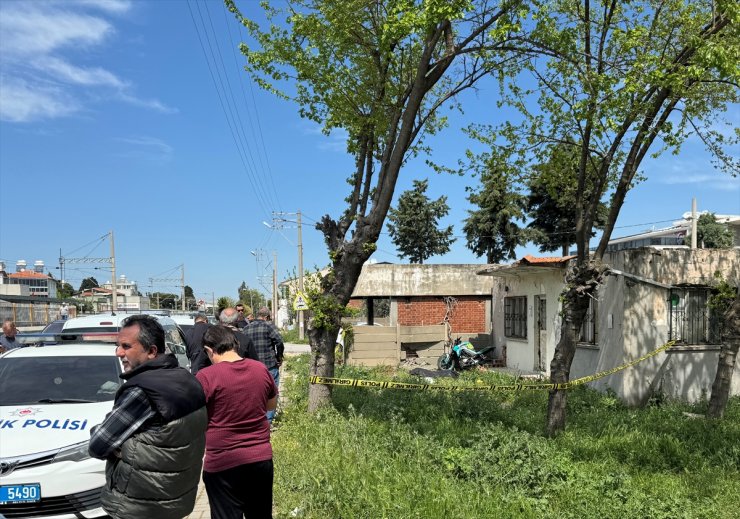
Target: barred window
{"points": [[691, 320], [515, 317], [588, 328]]}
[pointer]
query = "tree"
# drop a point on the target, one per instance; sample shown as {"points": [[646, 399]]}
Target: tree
{"points": [[414, 224], [491, 230], [224, 302], [164, 300], [724, 302], [612, 78], [379, 71], [711, 234], [88, 283], [64, 290], [189, 293], [250, 297], [552, 192]]}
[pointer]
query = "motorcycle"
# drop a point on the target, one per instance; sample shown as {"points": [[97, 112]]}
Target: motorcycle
{"points": [[463, 355]]}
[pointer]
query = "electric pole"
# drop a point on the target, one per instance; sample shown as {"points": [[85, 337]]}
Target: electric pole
{"points": [[182, 284], [301, 330], [274, 287], [114, 296]]}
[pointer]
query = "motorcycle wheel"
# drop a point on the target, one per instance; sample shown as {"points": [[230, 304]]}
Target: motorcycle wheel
{"points": [[444, 361]]}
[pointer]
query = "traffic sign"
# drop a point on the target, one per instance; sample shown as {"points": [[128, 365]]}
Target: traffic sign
{"points": [[300, 303]]}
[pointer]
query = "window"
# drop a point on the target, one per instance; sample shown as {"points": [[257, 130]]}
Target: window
{"points": [[515, 317], [691, 321], [588, 333]]}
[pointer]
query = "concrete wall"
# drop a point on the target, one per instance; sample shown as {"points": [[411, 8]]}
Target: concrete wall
{"points": [[388, 279], [633, 319], [521, 353]]}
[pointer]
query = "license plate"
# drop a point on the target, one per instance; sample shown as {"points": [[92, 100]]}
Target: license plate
{"points": [[20, 494]]}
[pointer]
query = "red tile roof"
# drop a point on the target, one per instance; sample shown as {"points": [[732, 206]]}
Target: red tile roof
{"points": [[531, 260], [28, 274]]}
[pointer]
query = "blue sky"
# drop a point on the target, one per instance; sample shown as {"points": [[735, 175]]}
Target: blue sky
{"points": [[110, 120]]}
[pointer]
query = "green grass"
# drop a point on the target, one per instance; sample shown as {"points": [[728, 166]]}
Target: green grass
{"points": [[292, 337], [413, 454]]}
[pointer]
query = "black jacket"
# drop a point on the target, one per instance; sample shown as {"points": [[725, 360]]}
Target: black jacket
{"points": [[196, 354]]}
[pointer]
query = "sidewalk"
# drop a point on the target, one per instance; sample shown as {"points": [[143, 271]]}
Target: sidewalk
{"points": [[202, 510]]}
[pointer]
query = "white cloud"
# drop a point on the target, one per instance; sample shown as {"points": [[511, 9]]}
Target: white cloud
{"points": [[19, 102], [113, 6], [145, 147], [82, 76], [152, 104], [717, 180], [40, 80]]}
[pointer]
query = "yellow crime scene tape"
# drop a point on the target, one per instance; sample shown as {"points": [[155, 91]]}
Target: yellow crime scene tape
{"points": [[351, 382]]}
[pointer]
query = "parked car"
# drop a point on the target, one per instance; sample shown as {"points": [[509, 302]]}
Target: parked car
{"points": [[50, 398], [174, 338], [184, 321]]}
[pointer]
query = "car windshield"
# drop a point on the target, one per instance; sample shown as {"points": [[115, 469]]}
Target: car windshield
{"points": [[54, 327], [49, 380]]}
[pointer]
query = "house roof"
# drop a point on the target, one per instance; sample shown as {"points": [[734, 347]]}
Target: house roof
{"points": [[528, 263], [551, 260], [396, 280], [28, 274]]}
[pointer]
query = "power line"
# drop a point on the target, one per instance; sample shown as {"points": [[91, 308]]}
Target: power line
{"points": [[225, 93], [242, 155]]}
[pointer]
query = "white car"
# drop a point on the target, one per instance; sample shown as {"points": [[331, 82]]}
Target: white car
{"points": [[50, 398], [98, 323], [184, 321]]}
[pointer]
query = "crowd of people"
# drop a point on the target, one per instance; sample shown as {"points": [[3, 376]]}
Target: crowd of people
{"points": [[164, 420], [169, 426]]}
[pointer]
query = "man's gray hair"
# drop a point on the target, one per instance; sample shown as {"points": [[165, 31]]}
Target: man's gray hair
{"points": [[263, 313], [228, 316]]}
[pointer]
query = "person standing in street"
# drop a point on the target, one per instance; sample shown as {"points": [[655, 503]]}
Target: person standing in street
{"points": [[241, 320], [7, 339], [64, 312], [269, 346], [238, 470], [228, 317], [194, 342], [154, 438]]}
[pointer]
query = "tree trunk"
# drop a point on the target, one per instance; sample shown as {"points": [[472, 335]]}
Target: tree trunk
{"points": [[726, 364], [323, 342], [575, 313]]}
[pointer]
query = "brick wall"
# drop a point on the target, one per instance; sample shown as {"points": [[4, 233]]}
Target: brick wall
{"points": [[468, 316]]}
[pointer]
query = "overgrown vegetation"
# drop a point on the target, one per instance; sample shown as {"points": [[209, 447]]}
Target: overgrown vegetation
{"points": [[412, 454]]}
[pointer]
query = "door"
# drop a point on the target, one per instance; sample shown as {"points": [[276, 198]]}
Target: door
{"points": [[540, 335]]}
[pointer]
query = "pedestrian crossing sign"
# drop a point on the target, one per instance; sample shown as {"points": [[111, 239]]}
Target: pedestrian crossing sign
{"points": [[300, 303]]}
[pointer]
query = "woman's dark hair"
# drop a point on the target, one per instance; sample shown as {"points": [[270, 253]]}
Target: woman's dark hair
{"points": [[151, 332], [220, 339]]}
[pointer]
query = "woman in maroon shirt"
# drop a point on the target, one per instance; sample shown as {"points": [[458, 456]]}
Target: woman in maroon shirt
{"points": [[238, 469]]}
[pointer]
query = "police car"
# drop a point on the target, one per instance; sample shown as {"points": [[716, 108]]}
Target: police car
{"points": [[50, 398], [174, 337]]}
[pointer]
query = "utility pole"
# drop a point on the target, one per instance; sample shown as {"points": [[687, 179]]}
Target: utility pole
{"points": [[278, 220], [301, 331], [693, 223], [181, 280], [274, 287], [114, 297], [182, 284]]}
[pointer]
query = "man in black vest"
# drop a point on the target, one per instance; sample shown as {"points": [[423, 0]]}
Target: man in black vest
{"points": [[154, 438]]}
